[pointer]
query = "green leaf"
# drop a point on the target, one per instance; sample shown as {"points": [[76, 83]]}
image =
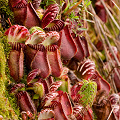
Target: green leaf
{"points": [[47, 3], [36, 96], [91, 21], [76, 17], [39, 89], [72, 15], [80, 24], [82, 28], [89, 3], [89, 12]]}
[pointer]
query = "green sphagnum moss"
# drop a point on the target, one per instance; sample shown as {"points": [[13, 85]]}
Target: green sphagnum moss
{"points": [[4, 9], [8, 106]]}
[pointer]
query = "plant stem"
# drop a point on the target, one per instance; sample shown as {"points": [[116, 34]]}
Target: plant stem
{"points": [[115, 5], [110, 15], [110, 113], [101, 30]]}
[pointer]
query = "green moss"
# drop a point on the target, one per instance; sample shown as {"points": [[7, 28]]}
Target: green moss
{"points": [[6, 46], [8, 106], [4, 9], [5, 107], [2, 61]]}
